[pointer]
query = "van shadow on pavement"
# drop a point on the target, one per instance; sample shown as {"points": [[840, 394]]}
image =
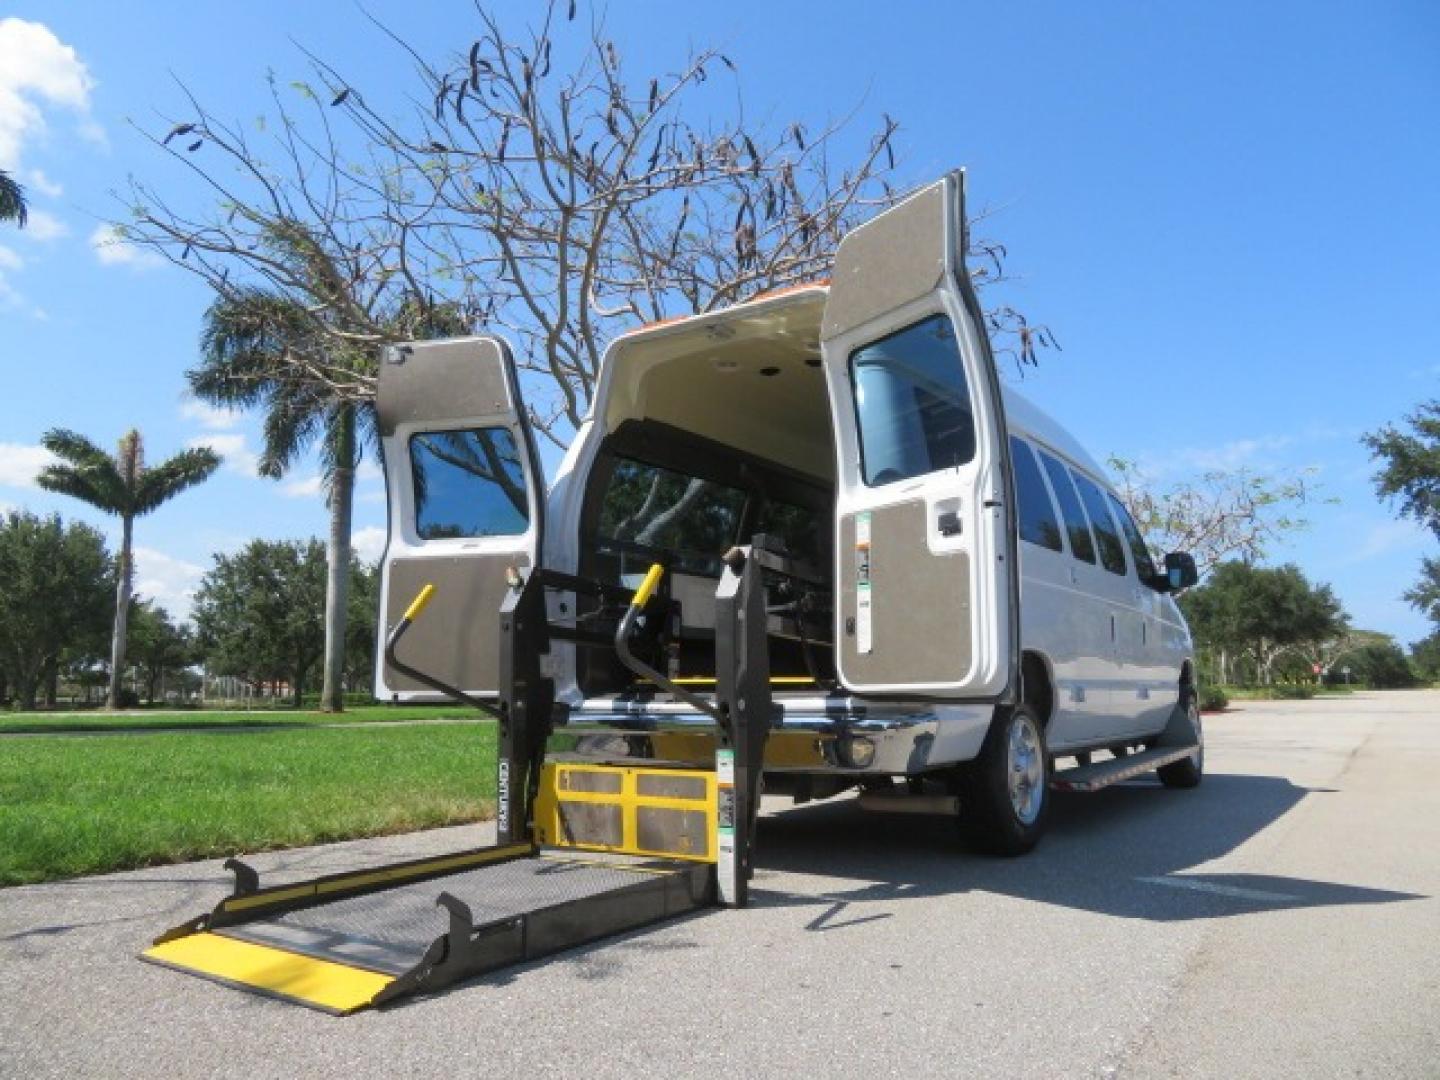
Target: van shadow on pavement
{"points": [[1112, 852]]}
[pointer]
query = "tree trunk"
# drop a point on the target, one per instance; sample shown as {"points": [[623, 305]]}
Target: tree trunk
{"points": [[52, 682], [122, 614], [337, 554], [27, 687]]}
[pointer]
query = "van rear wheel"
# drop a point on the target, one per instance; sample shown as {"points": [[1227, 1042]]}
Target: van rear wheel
{"points": [[1005, 791]]}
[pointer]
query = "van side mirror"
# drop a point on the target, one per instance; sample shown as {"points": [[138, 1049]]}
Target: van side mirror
{"points": [[1180, 572]]}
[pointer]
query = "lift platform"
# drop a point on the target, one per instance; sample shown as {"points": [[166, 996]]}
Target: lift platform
{"points": [[584, 850]]}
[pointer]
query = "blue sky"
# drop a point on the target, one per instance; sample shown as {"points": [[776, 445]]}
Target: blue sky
{"points": [[1226, 212]]}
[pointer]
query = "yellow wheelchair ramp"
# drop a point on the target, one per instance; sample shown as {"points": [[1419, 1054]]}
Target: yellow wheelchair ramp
{"points": [[305, 980]]}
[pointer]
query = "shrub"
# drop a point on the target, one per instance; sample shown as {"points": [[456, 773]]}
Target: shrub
{"points": [[1292, 691], [1212, 698]]}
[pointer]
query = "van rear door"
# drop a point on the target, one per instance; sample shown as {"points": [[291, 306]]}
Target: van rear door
{"points": [[925, 551], [466, 498]]}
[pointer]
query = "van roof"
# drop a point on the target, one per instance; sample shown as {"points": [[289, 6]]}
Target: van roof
{"points": [[1028, 419]]}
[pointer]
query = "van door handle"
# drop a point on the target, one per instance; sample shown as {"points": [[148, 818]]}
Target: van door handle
{"points": [[948, 523]]}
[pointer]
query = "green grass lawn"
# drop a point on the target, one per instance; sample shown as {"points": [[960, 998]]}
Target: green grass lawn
{"points": [[85, 806], [41, 722]]}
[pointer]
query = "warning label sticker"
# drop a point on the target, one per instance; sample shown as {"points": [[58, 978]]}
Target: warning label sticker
{"points": [[864, 619]]}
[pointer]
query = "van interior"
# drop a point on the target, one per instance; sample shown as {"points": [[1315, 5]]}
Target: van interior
{"points": [[713, 434]]}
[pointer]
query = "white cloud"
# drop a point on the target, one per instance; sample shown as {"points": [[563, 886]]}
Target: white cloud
{"points": [[169, 581], [371, 496], [208, 416], [19, 463], [233, 448], [368, 470], [38, 71], [112, 249], [1236, 454], [42, 226], [43, 184], [369, 543], [305, 488], [10, 261], [1385, 537]]}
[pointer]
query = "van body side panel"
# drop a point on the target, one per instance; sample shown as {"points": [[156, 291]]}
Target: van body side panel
{"points": [[1053, 624], [909, 642]]}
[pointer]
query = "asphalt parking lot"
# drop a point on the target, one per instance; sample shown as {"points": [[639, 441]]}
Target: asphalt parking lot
{"points": [[1281, 920]]}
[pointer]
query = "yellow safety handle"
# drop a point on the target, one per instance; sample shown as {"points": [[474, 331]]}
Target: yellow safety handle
{"points": [[422, 598], [648, 586]]}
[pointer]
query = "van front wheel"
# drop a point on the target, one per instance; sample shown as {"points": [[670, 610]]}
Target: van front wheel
{"points": [[1188, 771], [1005, 791]]}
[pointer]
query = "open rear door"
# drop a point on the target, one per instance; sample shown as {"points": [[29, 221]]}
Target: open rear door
{"points": [[925, 551], [466, 497]]}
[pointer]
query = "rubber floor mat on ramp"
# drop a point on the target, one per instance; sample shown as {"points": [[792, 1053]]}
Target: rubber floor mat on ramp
{"points": [[367, 949]]}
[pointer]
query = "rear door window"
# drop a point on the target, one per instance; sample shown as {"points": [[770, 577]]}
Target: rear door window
{"points": [[912, 403], [1076, 528], [1038, 523], [1112, 551], [468, 483]]}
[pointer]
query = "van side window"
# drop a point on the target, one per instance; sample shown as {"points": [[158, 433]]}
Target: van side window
{"points": [[912, 403], [1112, 551], [1139, 550], [1081, 546], [468, 483], [1038, 523]]}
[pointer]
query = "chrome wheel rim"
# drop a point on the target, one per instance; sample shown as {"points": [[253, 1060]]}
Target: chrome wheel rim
{"points": [[1026, 769]]}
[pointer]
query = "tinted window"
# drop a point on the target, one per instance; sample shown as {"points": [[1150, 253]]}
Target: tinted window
{"points": [[1139, 550], [803, 531], [912, 404], [1038, 522], [468, 483], [1112, 551], [694, 520], [1081, 546]]}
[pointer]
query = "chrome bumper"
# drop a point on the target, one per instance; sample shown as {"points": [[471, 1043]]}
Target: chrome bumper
{"points": [[903, 737]]}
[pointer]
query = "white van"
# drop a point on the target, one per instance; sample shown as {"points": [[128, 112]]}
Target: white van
{"points": [[976, 602]]}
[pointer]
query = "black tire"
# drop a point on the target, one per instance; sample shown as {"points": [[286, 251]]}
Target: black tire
{"points": [[991, 818], [1188, 771]]}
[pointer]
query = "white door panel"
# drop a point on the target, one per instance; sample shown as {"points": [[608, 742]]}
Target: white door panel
{"points": [[924, 542], [465, 499]]}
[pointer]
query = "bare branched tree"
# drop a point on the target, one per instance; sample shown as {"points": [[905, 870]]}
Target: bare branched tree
{"points": [[1218, 515], [535, 185]]}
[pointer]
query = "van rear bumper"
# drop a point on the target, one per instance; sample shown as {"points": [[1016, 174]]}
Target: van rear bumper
{"points": [[817, 734]]}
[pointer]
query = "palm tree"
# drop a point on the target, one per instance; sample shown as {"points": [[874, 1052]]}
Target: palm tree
{"points": [[250, 343], [12, 200], [120, 484]]}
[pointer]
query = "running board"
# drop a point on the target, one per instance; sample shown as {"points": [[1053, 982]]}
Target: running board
{"points": [[1104, 773]]}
